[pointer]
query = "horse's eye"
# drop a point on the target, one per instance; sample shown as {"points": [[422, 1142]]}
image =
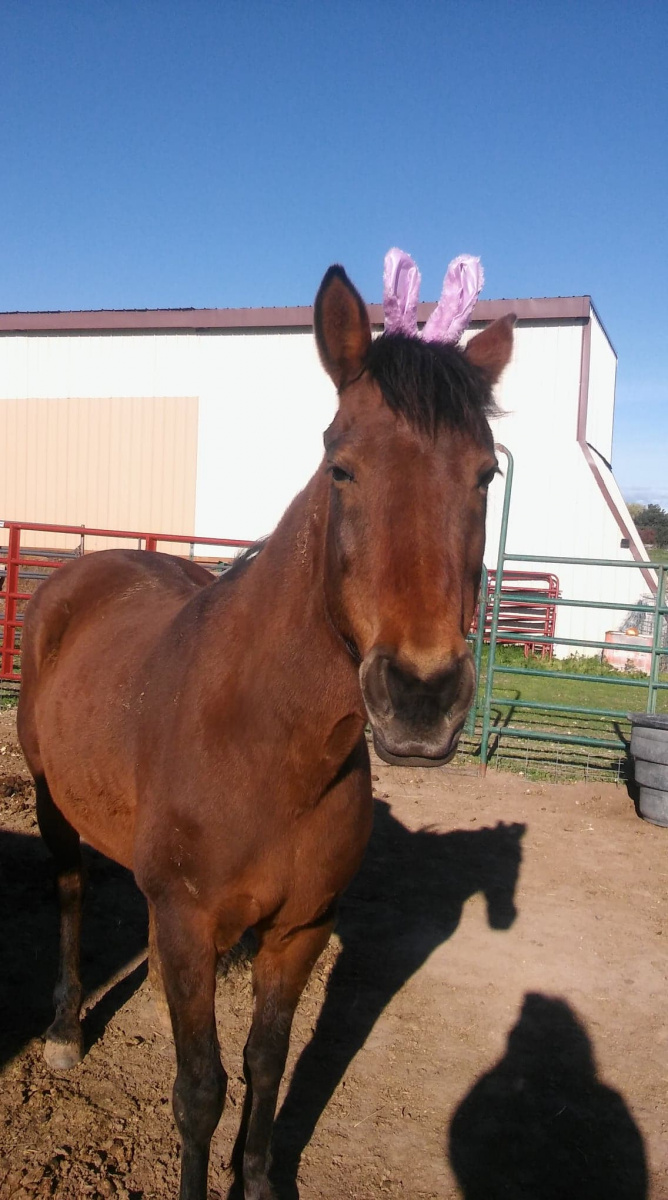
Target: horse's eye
{"points": [[486, 479], [339, 474]]}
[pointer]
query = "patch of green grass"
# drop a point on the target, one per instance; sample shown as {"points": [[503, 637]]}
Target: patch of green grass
{"points": [[541, 759], [615, 694], [658, 553]]}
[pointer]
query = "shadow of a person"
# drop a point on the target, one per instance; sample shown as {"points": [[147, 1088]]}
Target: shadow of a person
{"points": [[540, 1125], [406, 900]]}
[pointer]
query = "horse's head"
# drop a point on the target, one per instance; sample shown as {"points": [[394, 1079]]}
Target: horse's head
{"points": [[410, 456]]}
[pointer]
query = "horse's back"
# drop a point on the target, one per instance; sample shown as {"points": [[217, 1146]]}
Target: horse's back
{"points": [[81, 590], [87, 633], [101, 589]]}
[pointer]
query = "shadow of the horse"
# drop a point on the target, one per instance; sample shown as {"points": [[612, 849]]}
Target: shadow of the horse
{"points": [[113, 941], [406, 901]]}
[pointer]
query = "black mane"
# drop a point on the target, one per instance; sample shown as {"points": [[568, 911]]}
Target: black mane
{"points": [[242, 561], [431, 384]]}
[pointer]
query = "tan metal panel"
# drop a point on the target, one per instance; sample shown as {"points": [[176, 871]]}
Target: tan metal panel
{"points": [[108, 462]]}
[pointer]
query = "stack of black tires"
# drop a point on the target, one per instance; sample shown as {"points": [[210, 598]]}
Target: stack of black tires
{"points": [[649, 747]]}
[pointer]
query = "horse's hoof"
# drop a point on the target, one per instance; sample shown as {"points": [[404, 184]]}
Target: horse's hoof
{"points": [[62, 1056], [259, 1189]]}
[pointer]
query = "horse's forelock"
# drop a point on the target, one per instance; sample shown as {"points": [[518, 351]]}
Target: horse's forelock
{"points": [[431, 384]]}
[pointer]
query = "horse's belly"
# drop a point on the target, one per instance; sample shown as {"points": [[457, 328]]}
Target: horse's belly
{"points": [[106, 822], [93, 796]]}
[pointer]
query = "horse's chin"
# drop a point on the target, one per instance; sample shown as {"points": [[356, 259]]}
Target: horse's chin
{"points": [[411, 759]]}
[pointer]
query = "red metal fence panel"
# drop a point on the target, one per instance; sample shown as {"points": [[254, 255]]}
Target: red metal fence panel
{"points": [[536, 616], [22, 568]]}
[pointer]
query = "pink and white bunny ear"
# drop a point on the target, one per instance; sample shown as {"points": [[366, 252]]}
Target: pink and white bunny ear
{"points": [[401, 292], [461, 287]]}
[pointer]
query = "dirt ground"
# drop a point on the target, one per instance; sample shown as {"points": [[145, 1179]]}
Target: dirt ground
{"points": [[489, 1021]]}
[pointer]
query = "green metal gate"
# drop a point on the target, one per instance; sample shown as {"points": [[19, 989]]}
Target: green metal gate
{"points": [[653, 684]]}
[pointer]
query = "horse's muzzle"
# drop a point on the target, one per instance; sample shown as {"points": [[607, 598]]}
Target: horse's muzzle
{"points": [[416, 721]]}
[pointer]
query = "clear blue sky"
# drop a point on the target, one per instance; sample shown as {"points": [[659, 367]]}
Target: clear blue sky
{"points": [[159, 153]]}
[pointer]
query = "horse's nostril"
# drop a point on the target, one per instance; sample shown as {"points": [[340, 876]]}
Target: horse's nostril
{"points": [[420, 699], [375, 683], [439, 689]]}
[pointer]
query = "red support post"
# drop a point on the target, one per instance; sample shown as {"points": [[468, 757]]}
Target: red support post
{"points": [[9, 616]]}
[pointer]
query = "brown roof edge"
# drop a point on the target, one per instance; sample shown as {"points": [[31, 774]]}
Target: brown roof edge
{"points": [[136, 320]]}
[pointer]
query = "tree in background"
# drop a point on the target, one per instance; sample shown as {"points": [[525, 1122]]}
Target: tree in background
{"points": [[651, 522]]}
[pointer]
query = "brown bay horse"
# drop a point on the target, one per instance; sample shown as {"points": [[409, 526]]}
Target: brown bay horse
{"points": [[210, 735]]}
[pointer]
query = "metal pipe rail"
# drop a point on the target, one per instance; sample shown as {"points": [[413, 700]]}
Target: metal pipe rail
{"points": [[478, 639]]}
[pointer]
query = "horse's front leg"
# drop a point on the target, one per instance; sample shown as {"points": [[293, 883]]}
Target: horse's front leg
{"points": [[280, 971], [188, 957]]}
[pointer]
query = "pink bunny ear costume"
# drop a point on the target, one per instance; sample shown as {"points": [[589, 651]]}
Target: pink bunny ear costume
{"points": [[401, 288]]}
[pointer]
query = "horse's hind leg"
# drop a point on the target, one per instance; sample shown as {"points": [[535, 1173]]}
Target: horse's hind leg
{"points": [[64, 1041], [156, 985], [280, 971]]}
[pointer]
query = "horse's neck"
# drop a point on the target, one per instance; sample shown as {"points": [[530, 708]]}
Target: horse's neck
{"points": [[287, 636]]}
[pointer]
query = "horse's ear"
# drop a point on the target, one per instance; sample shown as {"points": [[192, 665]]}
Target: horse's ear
{"points": [[342, 329], [491, 349]]}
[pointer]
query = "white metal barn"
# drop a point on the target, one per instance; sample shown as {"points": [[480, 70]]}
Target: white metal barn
{"points": [[208, 422]]}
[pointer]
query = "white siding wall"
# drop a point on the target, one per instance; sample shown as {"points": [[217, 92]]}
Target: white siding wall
{"points": [[557, 506], [264, 402], [538, 394]]}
